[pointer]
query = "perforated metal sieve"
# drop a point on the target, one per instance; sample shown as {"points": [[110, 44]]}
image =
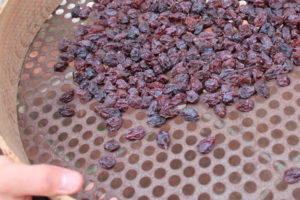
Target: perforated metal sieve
{"points": [[253, 149]]}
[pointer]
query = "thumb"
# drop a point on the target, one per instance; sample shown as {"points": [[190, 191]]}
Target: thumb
{"points": [[38, 180]]}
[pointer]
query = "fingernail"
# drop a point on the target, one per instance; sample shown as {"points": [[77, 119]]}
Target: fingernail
{"points": [[71, 182]]}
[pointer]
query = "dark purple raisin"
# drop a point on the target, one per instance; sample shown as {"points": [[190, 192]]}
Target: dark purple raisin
{"points": [[262, 89], [292, 175], [61, 66], [67, 110], [107, 162], [114, 123], [85, 12], [190, 114], [84, 95], [283, 80], [212, 99], [163, 140], [137, 133], [206, 145], [67, 96], [246, 91], [192, 96], [156, 121], [244, 105], [220, 110], [107, 113], [75, 11], [112, 145]]}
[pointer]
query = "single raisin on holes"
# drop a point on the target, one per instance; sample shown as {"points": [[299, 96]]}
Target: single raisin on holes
{"points": [[283, 80], [112, 145], [292, 175], [156, 120], [75, 11], [114, 123], [220, 110], [190, 114], [244, 105], [67, 97], [206, 145], [107, 162], [163, 140], [67, 110], [61, 66], [137, 133]]}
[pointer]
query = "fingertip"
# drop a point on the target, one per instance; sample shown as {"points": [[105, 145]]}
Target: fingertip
{"points": [[71, 182]]}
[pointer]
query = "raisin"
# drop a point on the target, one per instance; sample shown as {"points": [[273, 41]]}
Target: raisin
{"points": [[153, 108], [75, 11], [211, 85], [61, 66], [156, 120], [67, 96], [212, 99], [206, 145], [84, 95], [85, 12], [283, 80], [67, 110], [107, 162], [112, 145], [244, 105], [246, 91], [107, 113], [190, 114], [220, 110], [114, 123], [163, 140], [292, 175], [192, 96], [122, 105], [64, 44], [137, 133]]}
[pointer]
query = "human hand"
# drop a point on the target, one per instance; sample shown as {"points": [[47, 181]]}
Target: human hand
{"points": [[20, 181]]}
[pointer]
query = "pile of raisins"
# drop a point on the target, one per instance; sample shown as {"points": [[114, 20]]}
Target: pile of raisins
{"points": [[161, 54], [158, 54]]}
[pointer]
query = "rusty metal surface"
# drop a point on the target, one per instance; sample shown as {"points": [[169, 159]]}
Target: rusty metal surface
{"points": [[253, 149]]}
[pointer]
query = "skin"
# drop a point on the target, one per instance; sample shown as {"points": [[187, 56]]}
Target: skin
{"points": [[21, 182]]}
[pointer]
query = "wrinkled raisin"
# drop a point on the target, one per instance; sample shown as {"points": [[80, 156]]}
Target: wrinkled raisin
{"points": [[156, 120], [244, 105], [107, 162], [67, 96], [283, 80], [137, 133], [112, 145], [292, 175], [220, 110], [190, 114], [114, 123], [67, 110], [206, 145], [163, 140]]}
